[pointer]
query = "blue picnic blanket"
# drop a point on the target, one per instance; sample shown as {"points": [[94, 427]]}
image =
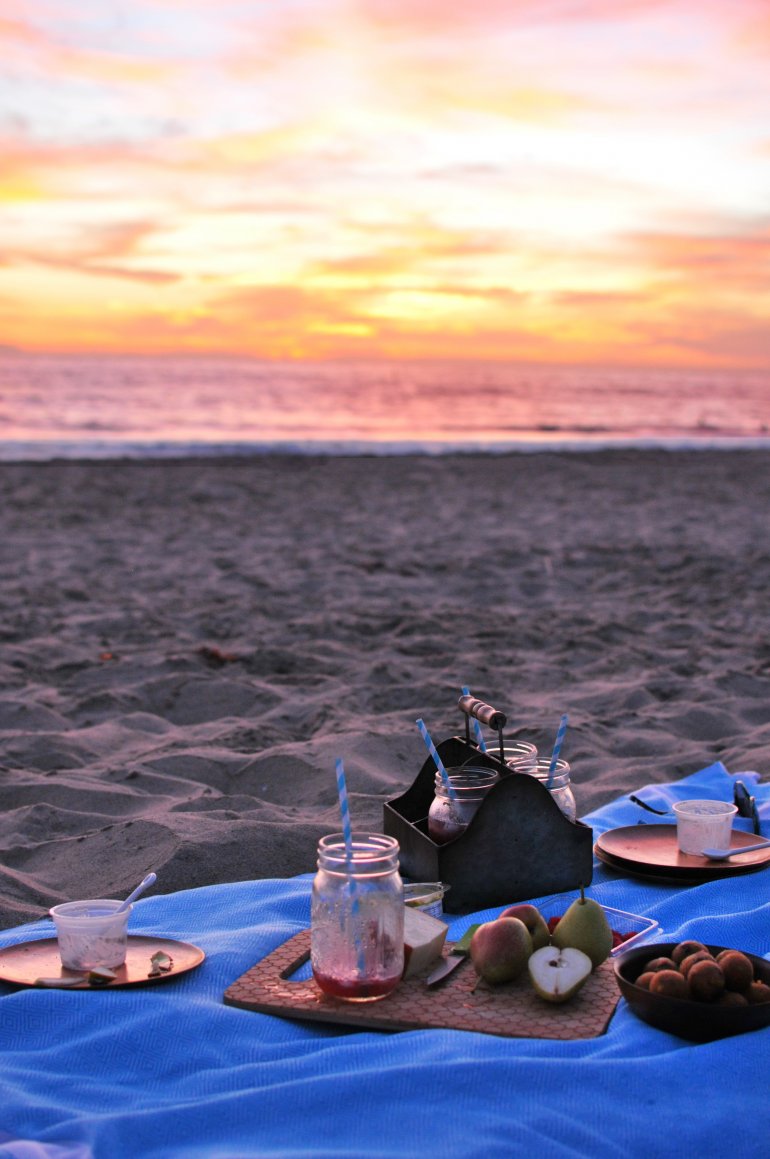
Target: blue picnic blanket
{"points": [[171, 1072]]}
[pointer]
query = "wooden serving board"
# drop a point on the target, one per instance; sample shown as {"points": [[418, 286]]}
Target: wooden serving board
{"points": [[512, 1010]]}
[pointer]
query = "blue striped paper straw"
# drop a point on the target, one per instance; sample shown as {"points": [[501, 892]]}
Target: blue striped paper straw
{"points": [[347, 832], [557, 749], [437, 760], [347, 836], [476, 726]]}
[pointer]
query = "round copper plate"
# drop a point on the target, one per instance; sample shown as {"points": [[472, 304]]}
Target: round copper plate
{"points": [[652, 851], [26, 962]]}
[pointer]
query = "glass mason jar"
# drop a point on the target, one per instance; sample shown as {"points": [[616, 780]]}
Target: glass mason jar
{"points": [[447, 819], [521, 756], [560, 787], [357, 919]]}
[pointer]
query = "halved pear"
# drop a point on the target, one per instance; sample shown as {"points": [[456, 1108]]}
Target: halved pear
{"points": [[558, 973]]}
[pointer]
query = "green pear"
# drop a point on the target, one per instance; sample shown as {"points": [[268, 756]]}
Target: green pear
{"points": [[585, 927]]}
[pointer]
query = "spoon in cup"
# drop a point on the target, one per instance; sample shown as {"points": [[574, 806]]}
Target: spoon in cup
{"points": [[723, 854], [149, 880]]}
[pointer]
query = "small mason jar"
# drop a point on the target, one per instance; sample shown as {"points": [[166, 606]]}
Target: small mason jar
{"points": [[521, 756], [559, 788], [357, 918], [449, 818]]}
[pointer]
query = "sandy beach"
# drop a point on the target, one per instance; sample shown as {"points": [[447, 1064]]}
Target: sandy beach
{"points": [[188, 645]]}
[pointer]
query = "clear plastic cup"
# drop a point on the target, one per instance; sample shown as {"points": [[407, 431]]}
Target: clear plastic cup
{"points": [[703, 825], [91, 933]]}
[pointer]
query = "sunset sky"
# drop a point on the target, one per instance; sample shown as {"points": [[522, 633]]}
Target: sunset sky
{"points": [[551, 180]]}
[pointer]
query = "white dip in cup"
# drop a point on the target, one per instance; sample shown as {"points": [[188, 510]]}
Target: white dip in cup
{"points": [[703, 825], [91, 933]]}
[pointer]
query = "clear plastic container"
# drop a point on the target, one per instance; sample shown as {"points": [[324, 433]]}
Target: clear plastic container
{"points": [[427, 896], [632, 928], [704, 825]]}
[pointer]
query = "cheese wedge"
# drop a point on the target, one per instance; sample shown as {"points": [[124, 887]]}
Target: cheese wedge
{"points": [[424, 938]]}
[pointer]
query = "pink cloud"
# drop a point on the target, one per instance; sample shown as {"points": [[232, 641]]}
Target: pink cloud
{"points": [[98, 252], [49, 44], [732, 260], [103, 270], [435, 15], [593, 299], [19, 33], [419, 245], [699, 335]]}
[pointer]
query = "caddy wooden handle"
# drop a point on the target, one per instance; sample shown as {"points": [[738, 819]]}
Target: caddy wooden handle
{"points": [[483, 712]]}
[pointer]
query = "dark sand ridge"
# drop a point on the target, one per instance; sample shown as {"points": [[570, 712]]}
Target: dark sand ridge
{"points": [[188, 645]]}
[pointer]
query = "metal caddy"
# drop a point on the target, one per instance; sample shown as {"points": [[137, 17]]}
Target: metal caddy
{"points": [[519, 845]]}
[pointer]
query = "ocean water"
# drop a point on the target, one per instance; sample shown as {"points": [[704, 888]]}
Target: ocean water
{"points": [[107, 406]]}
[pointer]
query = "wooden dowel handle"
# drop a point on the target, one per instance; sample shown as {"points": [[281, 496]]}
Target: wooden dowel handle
{"points": [[483, 712]]}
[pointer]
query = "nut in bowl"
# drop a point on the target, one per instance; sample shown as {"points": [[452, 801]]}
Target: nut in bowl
{"points": [[721, 998]]}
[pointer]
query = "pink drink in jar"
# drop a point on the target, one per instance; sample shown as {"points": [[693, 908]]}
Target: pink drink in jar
{"points": [[449, 816], [357, 918]]}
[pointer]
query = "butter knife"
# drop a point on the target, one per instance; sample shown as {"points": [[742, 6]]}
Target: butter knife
{"points": [[456, 956]]}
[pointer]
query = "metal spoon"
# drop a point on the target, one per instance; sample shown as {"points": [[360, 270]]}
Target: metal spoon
{"points": [[149, 880], [723, 854], [649, 808]]}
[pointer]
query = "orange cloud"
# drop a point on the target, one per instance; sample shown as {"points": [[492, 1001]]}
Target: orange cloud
{"points": [[701, 299], [693, 335], [96, 251], [387, 178], [595, 299], [101, 269], [732, 262], [33, 170], [753, 31], [244, 151], [275, 321], [19, 33], [420, 244]]}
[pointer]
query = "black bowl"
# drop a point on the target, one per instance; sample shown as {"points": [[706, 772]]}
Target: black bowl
{"points": [[696, 1021]]}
